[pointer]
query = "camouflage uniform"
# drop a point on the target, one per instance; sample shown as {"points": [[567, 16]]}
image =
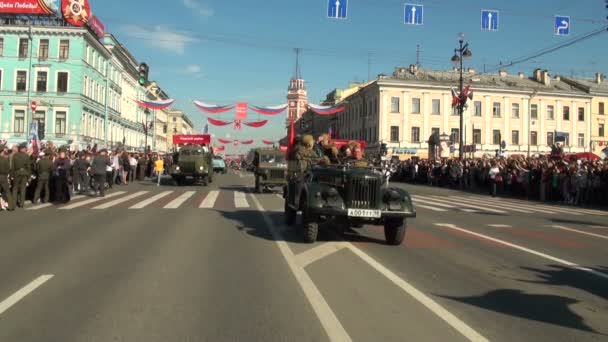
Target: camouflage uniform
{"points": [[21, 170], [4, 184], [44, 169]]}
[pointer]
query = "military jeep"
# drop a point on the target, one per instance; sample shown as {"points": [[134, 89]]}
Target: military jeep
{"points": [[192, 161], [270, 168], [347, 196]]}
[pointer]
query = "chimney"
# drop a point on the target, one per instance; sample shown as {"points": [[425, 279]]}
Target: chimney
{"points": [[599, 78], [558, 78], [502, 73], [413, 69], [471, 70], [538, 75], [381, 76], [546, 80], [521, 75]]}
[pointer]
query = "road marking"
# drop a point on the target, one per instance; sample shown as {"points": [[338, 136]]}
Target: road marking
{"points": [[92, 200], [505, 204], [308, 257], [548, 209], [150, 200], [524, 249], [581, 232], [472, 206], [209, 201], [466, 210], [430, 304], [176, 203], [24, 291], [489, 204], [333, 328], [428, 207], [418, 199], [499, 225], [240, 200], [46, 205], [120, 200], [599, 227]]}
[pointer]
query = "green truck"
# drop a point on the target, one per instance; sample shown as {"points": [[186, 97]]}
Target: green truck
{"points": [[192, 162]]}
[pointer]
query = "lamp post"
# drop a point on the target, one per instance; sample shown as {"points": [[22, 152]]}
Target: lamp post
{"points": [[460, 54], [146, 112]]}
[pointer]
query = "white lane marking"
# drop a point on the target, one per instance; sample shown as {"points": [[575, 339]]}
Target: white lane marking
{"points": [[240, 200], [525, 249], [498, 202], [499, 225], [317, 253], [209, 201], [599, 227], [150, 200], [418, 199], [46, 205], [489, 204], [92, 200], [333, 328], [430, 304], [120, 200], [581, 232], [428, 207], [472, 206], [470, 210], [24, 291], [176, 203], [549, 209]]}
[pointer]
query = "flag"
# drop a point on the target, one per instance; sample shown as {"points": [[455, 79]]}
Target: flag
{"points": [[455, 99]]}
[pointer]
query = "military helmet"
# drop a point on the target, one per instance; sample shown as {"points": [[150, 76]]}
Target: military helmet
{"points": [[308, 140], [23, 145]]}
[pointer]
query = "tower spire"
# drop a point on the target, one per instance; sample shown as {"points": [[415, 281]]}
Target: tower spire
{"points": [[297, 74]]}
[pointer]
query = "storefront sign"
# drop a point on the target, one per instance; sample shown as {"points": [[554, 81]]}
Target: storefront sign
{"points": [[76, 12], [40, 7], [405, 151], [96, 26], [194, 139]]}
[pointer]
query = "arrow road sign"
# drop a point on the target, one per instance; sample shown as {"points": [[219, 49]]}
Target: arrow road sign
{"points": [[337, 9], [489, 20], [562, 25], [414, 14]]}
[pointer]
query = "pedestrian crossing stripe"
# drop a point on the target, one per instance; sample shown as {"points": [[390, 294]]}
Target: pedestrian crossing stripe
{"points": [[91, 201], [176, 203], [151, 200], [441, 200], [209, 201], [120, 200], [240, 200]]}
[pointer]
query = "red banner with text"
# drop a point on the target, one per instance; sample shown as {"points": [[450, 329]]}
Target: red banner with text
{"points": [[194, 139]]}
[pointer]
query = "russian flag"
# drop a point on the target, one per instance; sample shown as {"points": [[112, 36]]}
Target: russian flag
{"points": [[156, 104], [212, 109], [272, 110], [326, 110]]}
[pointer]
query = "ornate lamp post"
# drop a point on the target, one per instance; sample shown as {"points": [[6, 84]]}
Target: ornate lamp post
{"points": [[460, 54]]}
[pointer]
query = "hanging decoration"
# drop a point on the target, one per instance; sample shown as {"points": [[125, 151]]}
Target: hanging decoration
{"points": [[241, 111], [267, 142], [212, 109], [236, 143], [256, 124], [272, 110], [326, 110], [247, 142], [224, 141], [219, 148], [237, 125], [156, 104], [215, 122]]}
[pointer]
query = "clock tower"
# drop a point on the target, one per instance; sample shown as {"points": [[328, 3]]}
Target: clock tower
{"points": [[297, 96]]}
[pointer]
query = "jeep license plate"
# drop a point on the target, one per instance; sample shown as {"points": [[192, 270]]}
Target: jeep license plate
{"points": [[364, 213]]}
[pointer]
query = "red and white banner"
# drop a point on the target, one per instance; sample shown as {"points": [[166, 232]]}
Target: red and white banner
{"points": [[40, 7], [76, 13], [194, 139], [241, 111]]}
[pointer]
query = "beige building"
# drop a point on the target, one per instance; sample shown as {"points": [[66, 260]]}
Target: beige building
{"points": [[405, 109], [178, 123]]}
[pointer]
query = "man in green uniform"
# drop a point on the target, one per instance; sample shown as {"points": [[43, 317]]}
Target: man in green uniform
{"points": [[21, 170], [44, 168], [5, 168]]}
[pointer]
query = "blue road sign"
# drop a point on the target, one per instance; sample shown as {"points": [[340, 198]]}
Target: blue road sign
{"points": [[337, 9], [562, 25], [414, 14], [489, 20]]}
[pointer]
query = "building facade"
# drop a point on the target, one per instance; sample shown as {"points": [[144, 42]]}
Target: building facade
{"points": [[405, 109], [178, 123]]}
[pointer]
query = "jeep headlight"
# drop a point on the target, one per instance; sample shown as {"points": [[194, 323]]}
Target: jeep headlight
{"points": [[393, 199], [177, 168], [201, 168], [330, 193]]}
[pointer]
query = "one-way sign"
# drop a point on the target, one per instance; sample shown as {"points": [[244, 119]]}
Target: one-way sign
{"points": [[489, 20], [562, 25], [414, 14], [337, 9]]}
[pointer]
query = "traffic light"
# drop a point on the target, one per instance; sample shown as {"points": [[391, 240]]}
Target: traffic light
{"points": [[40, 130], [143, 74]]}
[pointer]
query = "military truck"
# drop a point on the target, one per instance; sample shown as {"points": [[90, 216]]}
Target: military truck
{"points": [[347, 196], [192, 161], [269, 167]]}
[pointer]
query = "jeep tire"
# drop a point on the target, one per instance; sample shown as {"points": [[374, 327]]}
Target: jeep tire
{"points": [[258, 186], [290, 215], [394, 231], [310, 227]]}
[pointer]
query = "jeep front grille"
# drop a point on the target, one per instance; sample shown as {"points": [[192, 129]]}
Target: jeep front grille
{"points": [[277, 174], [362, 193]]}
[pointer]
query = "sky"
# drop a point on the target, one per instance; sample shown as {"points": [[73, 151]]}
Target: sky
{"points": [[228, 51]]}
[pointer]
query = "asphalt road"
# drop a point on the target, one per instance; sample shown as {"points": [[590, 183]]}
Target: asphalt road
{"points": [[216, 263]]}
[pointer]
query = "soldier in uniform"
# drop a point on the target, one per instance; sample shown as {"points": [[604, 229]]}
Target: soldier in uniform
{"points": [[141, 167], [61, 170], [98, 168], [22, 171], [5, 170], [44, 168], [81, 167]]}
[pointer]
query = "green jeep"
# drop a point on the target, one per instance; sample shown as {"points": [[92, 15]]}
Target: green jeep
{"points": [[270, 168], [192, 161], [347, 196]]}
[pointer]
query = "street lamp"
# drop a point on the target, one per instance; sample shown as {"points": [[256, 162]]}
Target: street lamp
{"points": [[460, 54]]}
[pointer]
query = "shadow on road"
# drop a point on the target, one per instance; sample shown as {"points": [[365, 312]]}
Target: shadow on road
{"points": [[559, 220], [542, 308], [558, 275]]}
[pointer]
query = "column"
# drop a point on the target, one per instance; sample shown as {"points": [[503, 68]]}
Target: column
{"points": [[574, 125], [426, 115], [588, 128], [382, 119], [541, 123], [487, 129], [558, 115], [446, 113], [405, 138], [525, 121], [506, 112]]}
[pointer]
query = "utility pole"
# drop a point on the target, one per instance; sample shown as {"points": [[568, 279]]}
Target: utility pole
{"points": [[418, 55]]}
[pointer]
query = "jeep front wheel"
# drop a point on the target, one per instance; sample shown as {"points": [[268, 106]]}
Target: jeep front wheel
{"points": [[258, 186], [310, 227], [394, 231], [290, 214]]}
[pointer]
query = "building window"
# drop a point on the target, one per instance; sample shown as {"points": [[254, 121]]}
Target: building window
{"points": [[174, 119], [581, 114], [62, 82], [416, 134], [477, 136], [515, 137], [496, 137], [601, 130], [534, 112], [41, 80], [394, 133], [455, 111], [174, 130], [1, 46], [23, 47], [550, 113], [496, 109], [436, 107], [533, 138], [394, 105], [455, 136], [601, 103], [435, 130], [19, 123], [21, 81], [43, 49], [64, 49], [566, 113], [477, 108], [515, 110], [550, 138], [415, 105], [581, 140], [60, 122]]}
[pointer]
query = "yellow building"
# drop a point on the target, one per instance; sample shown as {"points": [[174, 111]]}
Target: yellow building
{"points": [[405, 109], [178, 123]]}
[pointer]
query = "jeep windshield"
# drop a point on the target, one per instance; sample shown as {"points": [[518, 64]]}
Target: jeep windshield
{"points": [[272, 159]]}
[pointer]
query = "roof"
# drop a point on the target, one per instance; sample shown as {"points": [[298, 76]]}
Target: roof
{"points": [[591, 86]]}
